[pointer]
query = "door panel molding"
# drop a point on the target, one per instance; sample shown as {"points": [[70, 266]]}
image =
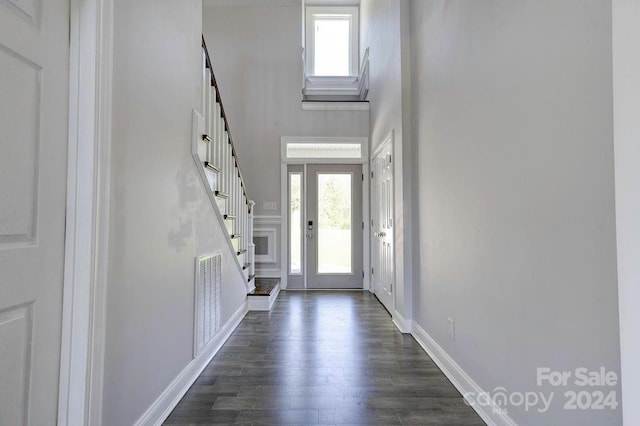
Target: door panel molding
{"points": [[16, 325], [28, 10], [19, 167]]}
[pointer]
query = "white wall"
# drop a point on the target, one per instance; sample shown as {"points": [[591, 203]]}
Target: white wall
{"points": [[513, 126], [161, 218], [626, 106], [384, 29], [256, 55]]}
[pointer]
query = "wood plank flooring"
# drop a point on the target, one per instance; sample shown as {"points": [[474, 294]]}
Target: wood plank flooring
{"points": [[330, 358]]}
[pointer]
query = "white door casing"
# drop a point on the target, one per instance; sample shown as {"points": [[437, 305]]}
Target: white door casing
{"points": [[34, 83], [382, 231], [304, 162]]}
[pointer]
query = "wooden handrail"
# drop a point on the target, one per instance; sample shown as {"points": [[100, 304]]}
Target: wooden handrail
{"points": [[214, 83]]}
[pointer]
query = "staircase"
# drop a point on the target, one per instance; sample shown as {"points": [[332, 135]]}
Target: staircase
{"points": [[218, 166]]}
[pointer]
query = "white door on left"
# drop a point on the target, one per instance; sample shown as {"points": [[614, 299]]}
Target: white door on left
{"points": [[34, 91]]}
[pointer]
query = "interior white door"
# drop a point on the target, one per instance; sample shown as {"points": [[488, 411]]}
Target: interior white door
{"points": [[333, 226], [34, 91], [382, 273]]}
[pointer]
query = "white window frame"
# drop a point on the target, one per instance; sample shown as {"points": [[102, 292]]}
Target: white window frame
{"points": [[311, 13]]}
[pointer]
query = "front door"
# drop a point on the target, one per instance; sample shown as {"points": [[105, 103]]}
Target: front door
{"points": [[325, 226], [382, 263], [34, 91]]}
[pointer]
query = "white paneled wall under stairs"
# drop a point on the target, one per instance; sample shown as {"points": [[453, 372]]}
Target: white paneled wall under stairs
{"points": [[218, 166]]}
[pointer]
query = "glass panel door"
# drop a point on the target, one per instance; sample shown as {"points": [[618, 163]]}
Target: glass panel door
{"points": [[334, 226]]}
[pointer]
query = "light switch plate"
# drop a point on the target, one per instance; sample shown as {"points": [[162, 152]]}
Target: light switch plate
{"points": [[269, 205]]}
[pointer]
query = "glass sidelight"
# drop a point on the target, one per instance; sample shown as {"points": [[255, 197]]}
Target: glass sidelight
{"points": [[295, 219]]}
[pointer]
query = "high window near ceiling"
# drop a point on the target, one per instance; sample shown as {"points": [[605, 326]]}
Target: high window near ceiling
{"points": [[331, 40]]}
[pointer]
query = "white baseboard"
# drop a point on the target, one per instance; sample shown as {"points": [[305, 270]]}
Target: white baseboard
{"points": [[166, 402], [492, 415], [263, 303], [401, 324]]}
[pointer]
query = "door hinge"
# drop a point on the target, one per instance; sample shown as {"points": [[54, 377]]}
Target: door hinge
{"points": [[363, 275], [363, 177], [371, 271], [371, 222], [371, 175], [391, 288], [362, 225]]}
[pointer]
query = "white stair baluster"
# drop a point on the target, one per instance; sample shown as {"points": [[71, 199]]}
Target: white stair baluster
{"points": [[234, 189], [218, 143], [206, 108], [223, 153], [225, 160], [235, 192], [230, 168], [244, 222], [214, 129], [237, 200]]}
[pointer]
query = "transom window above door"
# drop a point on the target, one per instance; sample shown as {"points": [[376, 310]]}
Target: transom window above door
{"points": [[324, 149]]}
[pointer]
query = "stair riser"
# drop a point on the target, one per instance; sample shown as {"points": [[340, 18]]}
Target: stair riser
{"points": [[222, 205]]}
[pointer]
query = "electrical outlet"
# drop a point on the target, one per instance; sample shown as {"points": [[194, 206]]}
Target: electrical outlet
{"points": [[269, 205], [452, 330]]}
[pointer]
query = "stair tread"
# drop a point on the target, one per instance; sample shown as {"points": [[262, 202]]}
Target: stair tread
{"points": [[211, 166], [241, 252], [221, 194], [264, 286], [251, 277], [229, 216]]}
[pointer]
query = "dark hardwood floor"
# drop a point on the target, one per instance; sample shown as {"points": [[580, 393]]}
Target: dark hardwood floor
{"points": [[322, 358]]}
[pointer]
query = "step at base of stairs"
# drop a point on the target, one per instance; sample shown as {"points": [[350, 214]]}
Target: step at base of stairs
{"points": [[264, 295]]}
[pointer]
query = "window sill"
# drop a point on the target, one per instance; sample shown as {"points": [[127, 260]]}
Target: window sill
{"points": [[336, 90]]}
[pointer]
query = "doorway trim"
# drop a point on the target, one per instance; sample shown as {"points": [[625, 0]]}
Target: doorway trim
{"points": [[366, 218], [87, 216]]}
